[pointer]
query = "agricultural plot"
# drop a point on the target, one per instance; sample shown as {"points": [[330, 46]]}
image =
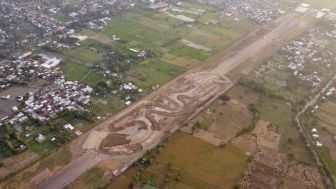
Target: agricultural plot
{"points": [[280, 113], [271, 169], [322, 118], [326, 114], [166, 33], [241, 113], [223, 121], [188, 162]]}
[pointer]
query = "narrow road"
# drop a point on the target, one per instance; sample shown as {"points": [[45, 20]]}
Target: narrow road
{"points": [[305, 133]]}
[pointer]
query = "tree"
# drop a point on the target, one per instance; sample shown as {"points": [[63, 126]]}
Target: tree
{"points": [[290, 141]]}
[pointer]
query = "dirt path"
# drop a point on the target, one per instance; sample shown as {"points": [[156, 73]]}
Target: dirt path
{"points": [[305, 133], [202, 88]]}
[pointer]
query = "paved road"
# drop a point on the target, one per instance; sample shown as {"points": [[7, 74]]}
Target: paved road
{"points": [[73, 170], [287, 24], [87, 161]]}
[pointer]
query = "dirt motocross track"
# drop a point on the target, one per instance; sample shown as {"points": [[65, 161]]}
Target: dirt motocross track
{"points": [[147, 122]]}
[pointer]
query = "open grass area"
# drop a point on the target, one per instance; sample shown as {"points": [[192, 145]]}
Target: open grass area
{"points": [[87, 56], [74, 71], [77, 72], [323, 118], [188, 162], [107, 104], [149, 73], [209, 16], [41, 149], [280, 113], [92, 179], [180, 49], [91, 78], [328, 160]]}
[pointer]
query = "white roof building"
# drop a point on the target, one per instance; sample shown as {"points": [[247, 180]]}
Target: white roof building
{"points": [[318, 144], [40, 138], [68, 127], [51, 63]]}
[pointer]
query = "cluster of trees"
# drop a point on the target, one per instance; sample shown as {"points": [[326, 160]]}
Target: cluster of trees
{"points": [[102, 87], [168, 171], [10, 140], [118, 62]]}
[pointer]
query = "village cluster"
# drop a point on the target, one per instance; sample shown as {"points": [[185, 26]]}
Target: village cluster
{"points": [[308, 50], [52, 100], [315, 136], [49, 101], [22, 69], [302, 57], [27, 28], [44, 22], [260, 11]]}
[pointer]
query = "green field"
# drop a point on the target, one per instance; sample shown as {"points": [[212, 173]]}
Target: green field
{"points": [[147, 74], [280, 113], [107, 104], [188, 162], [85, 55], [77, 72], [324, 117], [144, 29], [324, 120], [92, 179], [328, 161]]}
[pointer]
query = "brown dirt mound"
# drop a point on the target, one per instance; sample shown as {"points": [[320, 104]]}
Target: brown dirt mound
{"points": [[115, 140]]}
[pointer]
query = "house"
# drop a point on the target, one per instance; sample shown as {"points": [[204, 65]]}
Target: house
{"points": [[68, 127], [40, 138], [127, 103], [318, 144], [78, 132], [51, 63]]}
